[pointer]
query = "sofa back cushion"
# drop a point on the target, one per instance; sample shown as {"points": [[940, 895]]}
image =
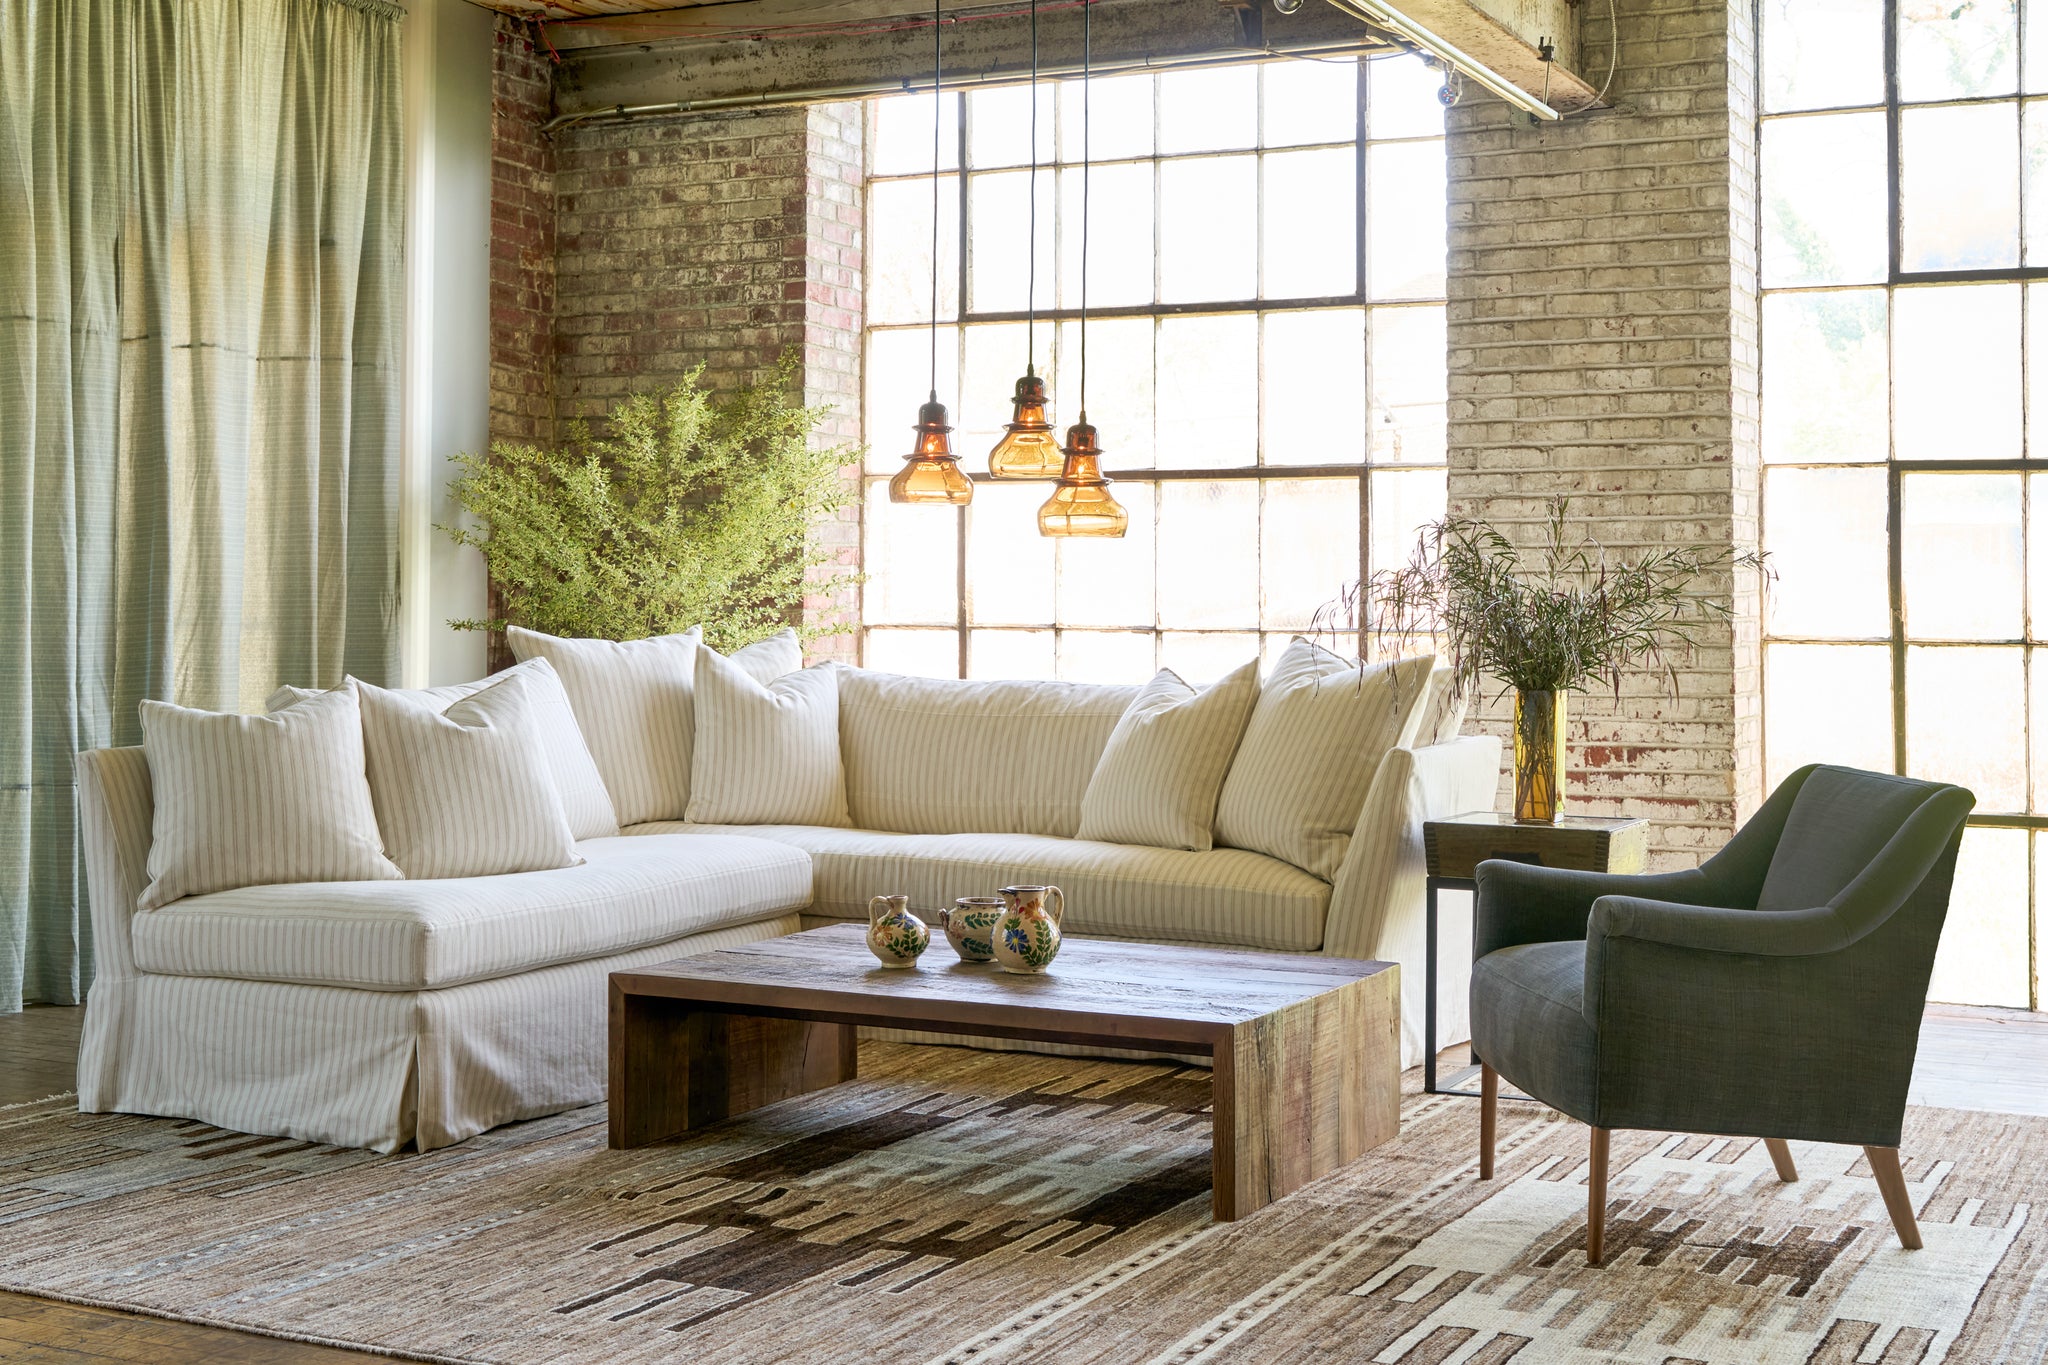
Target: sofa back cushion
{"points": [[767, 753], [1159, 778], [259, 800], [1308, 755], [943, 756]]}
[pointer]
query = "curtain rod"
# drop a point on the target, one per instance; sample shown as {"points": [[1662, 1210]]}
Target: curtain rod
{"points": [[823, 94]]}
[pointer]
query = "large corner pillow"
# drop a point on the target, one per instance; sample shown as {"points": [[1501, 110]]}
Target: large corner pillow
{"points": [[585, 800], [1159, 778], [633, 703], [767, 753], [465, 791], [1308, 755], [259, 800]]}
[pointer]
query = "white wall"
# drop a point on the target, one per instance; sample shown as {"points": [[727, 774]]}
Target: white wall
{"points": [[448, 139]]}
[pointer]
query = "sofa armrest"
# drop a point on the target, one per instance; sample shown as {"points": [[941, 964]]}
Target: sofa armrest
{"points": [[115, 812], [1376, 902]]}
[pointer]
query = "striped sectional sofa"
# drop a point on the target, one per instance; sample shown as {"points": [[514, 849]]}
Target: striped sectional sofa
{"points": [[374, 1014]]}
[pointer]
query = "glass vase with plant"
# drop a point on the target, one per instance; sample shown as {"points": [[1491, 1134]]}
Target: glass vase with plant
{"points": [[1544, 622], [689, 508]]}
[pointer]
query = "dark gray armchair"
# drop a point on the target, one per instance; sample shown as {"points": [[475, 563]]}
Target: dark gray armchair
{"points": [[1774, 992]]}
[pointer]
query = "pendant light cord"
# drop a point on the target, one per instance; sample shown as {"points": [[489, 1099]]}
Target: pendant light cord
{"points": [[937, 83], [1087, 9], [1031, 270]]}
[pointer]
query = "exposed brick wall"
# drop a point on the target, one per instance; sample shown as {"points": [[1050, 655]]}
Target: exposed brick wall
{"points": [[1603, 345], [522, 239], [833, 313]]}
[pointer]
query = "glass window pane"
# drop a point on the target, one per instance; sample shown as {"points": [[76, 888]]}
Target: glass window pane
{"points": [[1311, 102], [1209, 229], [2037, 556], [1010, 653], [1404, 248], [1824, 200], [1408, 385], [903, 134], [1120, 108], [1983, 957], [1208, 405], [2037, 730], [1121, 256], [1965, 709], [1959, 185], [1956, 372], [1960, 553], [1209, 110], [999, 237], [2034, 179], [1825, 532], [1109, 582], [1308, 548], [999, 126], [1310, 202], [1825, 382], [1009, 565], [1201, 657], [1119, 387], [1949, 51], [899, 376], [1402, 98], [1826, 704], [1209, 555], [899, 283], [994, 359], [910, 554], [1315, 387], [1403, 502], [1106, 656], [920, 653], [1822, 54]]}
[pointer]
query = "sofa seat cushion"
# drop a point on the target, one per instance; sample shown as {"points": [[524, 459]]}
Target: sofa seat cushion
{"points": [[416, 935], [1223, 896]]}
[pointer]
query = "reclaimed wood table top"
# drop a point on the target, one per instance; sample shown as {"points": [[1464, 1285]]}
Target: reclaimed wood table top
{"points": [[1102, 990]]}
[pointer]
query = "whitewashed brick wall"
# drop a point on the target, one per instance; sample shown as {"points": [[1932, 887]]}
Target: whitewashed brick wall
{"points": [[1603, 345]]}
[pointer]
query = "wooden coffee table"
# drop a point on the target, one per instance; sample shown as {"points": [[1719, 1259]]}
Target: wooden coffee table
{"points": [[1306, 1049]]}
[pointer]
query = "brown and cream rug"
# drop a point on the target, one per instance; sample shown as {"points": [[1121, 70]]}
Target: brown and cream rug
{"points": [[957, 1206]]}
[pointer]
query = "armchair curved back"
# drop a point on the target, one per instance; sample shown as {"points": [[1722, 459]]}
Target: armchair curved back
{"points": [[1839, 823]]}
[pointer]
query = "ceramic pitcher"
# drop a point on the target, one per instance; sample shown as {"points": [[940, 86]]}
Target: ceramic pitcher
{"points": [[970, 924], [895, 936], [1027, 937]]}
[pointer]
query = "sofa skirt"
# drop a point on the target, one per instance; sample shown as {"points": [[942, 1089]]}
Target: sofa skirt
{"points": [[358, 1068]]}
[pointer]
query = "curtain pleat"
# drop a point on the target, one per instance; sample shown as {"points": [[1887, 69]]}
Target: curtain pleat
{"points": [[200, 273]]}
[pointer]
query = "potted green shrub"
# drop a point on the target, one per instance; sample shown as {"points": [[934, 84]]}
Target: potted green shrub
{"points": [[686, 508], [1545, 623]]}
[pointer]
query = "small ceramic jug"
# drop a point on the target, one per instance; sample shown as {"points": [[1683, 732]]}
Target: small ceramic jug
{"points": [[970, 926], [895, 936], [1027, 937]]}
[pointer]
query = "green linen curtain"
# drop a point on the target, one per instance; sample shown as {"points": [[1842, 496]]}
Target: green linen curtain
{"points": [[201, 218]]}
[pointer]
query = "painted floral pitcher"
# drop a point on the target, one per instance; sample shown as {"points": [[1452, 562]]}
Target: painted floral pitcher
{"points": [[1027, 937], [895, 936]]}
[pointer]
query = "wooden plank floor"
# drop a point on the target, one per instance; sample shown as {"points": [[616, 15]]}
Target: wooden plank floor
{"points": [[1969, 1059]]}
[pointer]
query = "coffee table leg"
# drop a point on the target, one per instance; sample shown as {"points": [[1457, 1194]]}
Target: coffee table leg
{"points": [[675, 1067], [1304, 1090]]}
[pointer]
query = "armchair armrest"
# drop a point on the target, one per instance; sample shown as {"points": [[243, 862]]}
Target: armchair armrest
{"points": [[1522, 903]]}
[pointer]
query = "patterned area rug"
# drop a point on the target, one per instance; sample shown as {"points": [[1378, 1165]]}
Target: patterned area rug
{"points": [[959, 1206]]}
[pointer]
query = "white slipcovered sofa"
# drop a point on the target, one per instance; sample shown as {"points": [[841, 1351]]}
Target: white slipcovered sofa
{"points": [[372, 1014]]}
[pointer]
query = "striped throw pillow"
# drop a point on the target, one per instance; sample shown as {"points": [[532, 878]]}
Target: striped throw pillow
{"points": [[767, 753], [1158, 780], [1309, 753], [577, 781], [258, 800], [466, 791]]}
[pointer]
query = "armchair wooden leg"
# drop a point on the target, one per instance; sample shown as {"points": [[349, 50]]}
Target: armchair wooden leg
{"points": [[1489, 1110], [1596, 1198], [1781, 1157], [1891, 1183]]}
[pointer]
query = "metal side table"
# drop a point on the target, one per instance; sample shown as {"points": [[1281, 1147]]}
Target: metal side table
{"points": [[1455, 847]]}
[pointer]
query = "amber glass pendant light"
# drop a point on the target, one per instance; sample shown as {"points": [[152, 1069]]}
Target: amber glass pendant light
{"points": [[1028, 449], [931, 472], [1081, 503]]}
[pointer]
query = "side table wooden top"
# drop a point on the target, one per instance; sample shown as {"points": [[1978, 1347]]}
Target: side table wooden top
{"points": [[1456, 845]]}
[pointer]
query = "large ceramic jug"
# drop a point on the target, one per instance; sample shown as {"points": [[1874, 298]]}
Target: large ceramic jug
{"points": [[895, 936], [1027, 937]]}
